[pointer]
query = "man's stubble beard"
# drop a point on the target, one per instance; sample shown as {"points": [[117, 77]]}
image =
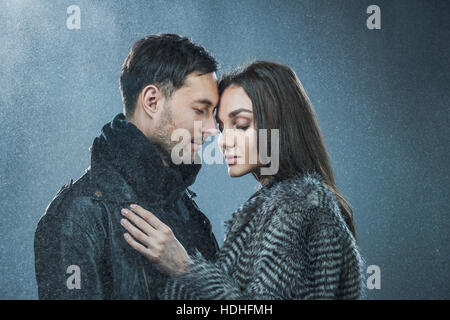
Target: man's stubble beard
{"points": [[161, 137]]}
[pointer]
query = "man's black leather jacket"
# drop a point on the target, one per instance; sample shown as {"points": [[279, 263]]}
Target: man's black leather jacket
{"points": [[81, 229]]}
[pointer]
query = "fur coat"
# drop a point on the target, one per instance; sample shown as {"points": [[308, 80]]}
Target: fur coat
{"points": [[288, 241]]}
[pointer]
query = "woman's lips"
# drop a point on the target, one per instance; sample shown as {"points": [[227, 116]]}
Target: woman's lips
{"points": [[231, 160], [196, 146]]}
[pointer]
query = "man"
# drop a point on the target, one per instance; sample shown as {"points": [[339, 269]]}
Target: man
{"points": [[167, 83]]}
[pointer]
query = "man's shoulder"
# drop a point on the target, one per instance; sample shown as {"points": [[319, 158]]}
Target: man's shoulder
{"points": [[73, 203]]}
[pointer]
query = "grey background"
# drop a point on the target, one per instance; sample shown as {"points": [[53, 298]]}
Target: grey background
{"points": [[381, 98]]}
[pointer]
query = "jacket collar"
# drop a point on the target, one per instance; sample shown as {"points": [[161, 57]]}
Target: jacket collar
{"points": [[126, 166]]}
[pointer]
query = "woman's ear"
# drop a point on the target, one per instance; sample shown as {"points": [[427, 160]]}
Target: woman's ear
{"points": [[149, 99]]}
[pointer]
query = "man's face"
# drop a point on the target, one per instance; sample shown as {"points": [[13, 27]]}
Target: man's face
{"points": [[193, 103]]}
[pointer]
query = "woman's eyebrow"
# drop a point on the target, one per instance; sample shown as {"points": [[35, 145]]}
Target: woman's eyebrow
{"points": [[235, 112]]}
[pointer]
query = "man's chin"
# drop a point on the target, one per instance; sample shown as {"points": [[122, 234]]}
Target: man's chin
{"points": [[190, 157]]}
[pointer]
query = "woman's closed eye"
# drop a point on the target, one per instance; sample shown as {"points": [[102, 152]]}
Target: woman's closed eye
{"points": [[199, 111], [241, 125]]}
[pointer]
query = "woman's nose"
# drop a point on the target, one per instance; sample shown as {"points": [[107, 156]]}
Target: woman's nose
{"points": [[226, 139]]}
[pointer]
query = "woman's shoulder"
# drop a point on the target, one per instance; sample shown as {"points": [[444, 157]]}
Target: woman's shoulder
{"points": [[303, 206], [305, 203], [291, 201], [303, 192]]}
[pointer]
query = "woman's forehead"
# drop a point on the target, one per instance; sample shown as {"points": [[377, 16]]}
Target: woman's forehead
{"points": [[233, 98]]}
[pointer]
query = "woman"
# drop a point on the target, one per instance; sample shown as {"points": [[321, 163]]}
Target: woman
{"points": [[295, 237]]}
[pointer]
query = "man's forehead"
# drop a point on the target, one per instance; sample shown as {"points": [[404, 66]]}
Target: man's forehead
{"points": [[202, 87], [197, 77]]}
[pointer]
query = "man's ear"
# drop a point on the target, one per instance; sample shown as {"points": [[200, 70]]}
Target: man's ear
{"points": [[150, 99]]}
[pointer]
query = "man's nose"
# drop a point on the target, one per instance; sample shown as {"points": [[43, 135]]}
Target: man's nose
{"points": [[209, 128]]}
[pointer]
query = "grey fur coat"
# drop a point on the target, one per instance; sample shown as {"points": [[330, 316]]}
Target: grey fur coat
{"points": [[288, 241]]}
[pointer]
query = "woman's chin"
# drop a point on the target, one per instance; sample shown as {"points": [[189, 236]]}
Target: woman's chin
{"points": [[236, 171]]}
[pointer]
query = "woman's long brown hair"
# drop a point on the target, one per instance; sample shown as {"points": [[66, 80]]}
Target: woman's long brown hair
{"points": [[280, 102]]}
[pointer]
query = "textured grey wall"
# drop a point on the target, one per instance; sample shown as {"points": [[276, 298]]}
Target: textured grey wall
{"points": [[381, 97]]}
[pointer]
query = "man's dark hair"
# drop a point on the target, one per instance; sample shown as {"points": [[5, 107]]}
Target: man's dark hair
{"points": [[163, 60]]}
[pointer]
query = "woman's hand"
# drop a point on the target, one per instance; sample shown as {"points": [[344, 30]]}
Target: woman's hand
{"points": [[156, 240]]}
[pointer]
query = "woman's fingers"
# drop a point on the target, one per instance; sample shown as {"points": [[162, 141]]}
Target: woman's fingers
{"points": [[135, 245], [152, 253], [138, 221], [148, 216], [155, 240], [137, 234]]}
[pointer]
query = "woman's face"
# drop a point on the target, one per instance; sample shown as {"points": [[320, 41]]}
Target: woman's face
{"points": [[238, 136]]}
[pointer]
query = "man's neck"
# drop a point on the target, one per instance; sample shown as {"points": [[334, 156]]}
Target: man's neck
{"points": [[165, 158]]}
